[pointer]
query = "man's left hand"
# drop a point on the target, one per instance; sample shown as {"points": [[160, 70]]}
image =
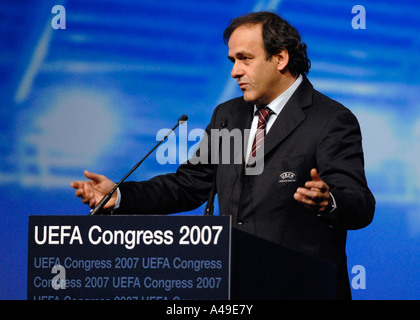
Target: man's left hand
{"points": [[315, 195]]}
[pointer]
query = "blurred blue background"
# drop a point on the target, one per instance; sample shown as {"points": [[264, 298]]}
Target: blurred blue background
{"points": [[94, 95]]}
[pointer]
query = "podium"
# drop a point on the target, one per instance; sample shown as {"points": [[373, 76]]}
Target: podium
{"points": [[166, 258]]}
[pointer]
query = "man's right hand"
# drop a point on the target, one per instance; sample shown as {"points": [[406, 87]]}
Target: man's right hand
{"points": [[91, 192]]}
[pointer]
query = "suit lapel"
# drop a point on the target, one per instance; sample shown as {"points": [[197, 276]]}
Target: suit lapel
{"points": [[244, 117], [290, 117], [287, 121], [242, 121]]}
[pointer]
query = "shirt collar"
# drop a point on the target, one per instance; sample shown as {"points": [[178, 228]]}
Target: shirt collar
{"points": [[277, 104]]}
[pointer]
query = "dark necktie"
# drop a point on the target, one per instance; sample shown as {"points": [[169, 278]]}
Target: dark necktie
{"points": [[263, 116]]}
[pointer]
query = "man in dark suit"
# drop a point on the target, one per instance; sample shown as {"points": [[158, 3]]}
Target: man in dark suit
{"points": [[312, 188]]}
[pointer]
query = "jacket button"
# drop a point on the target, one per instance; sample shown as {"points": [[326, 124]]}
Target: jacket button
{"points": [[240, 222]]}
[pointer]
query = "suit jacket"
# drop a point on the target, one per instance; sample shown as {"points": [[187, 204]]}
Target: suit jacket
{"points": [[312, 131]]}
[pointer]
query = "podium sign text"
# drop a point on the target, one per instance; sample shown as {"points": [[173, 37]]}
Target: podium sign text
{"points": [[129, 257]]}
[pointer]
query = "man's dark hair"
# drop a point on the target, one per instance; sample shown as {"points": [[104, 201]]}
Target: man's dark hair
{"points": [[277, 34]]}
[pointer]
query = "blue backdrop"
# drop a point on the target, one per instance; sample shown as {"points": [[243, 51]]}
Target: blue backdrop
{"points": [[94, 95]]}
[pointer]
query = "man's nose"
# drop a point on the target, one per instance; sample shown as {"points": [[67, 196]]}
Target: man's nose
{"points": [[237, 71]]}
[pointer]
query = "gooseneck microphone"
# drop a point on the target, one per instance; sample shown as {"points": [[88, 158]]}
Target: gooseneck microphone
{"points": [[208, 210], [99, 207]]}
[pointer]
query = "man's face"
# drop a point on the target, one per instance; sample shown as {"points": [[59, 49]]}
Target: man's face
{"points": [[258, 78]]}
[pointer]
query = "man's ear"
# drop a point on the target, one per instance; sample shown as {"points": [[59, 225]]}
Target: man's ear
{"points": [[282, 60]]}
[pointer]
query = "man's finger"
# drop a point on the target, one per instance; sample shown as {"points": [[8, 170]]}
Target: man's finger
{"points": [[308, 201], [308, 193], [92, 203], [315, 176], [76, 184], [79, 192], [315, 184], [92, 176]]}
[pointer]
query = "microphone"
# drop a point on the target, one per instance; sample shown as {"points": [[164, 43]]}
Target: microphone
{"points": [[99, 207], [208, 210]]}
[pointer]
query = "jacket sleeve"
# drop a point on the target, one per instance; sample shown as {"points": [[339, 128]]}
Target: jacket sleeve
{"points": [[341, 165], [184, 190]]}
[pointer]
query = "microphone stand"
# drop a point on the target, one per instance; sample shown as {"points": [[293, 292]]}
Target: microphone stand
{"points": [[99, 207], [208, 210]]}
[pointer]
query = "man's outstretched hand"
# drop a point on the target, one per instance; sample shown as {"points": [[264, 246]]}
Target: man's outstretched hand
{"points": [[92, 191]]}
